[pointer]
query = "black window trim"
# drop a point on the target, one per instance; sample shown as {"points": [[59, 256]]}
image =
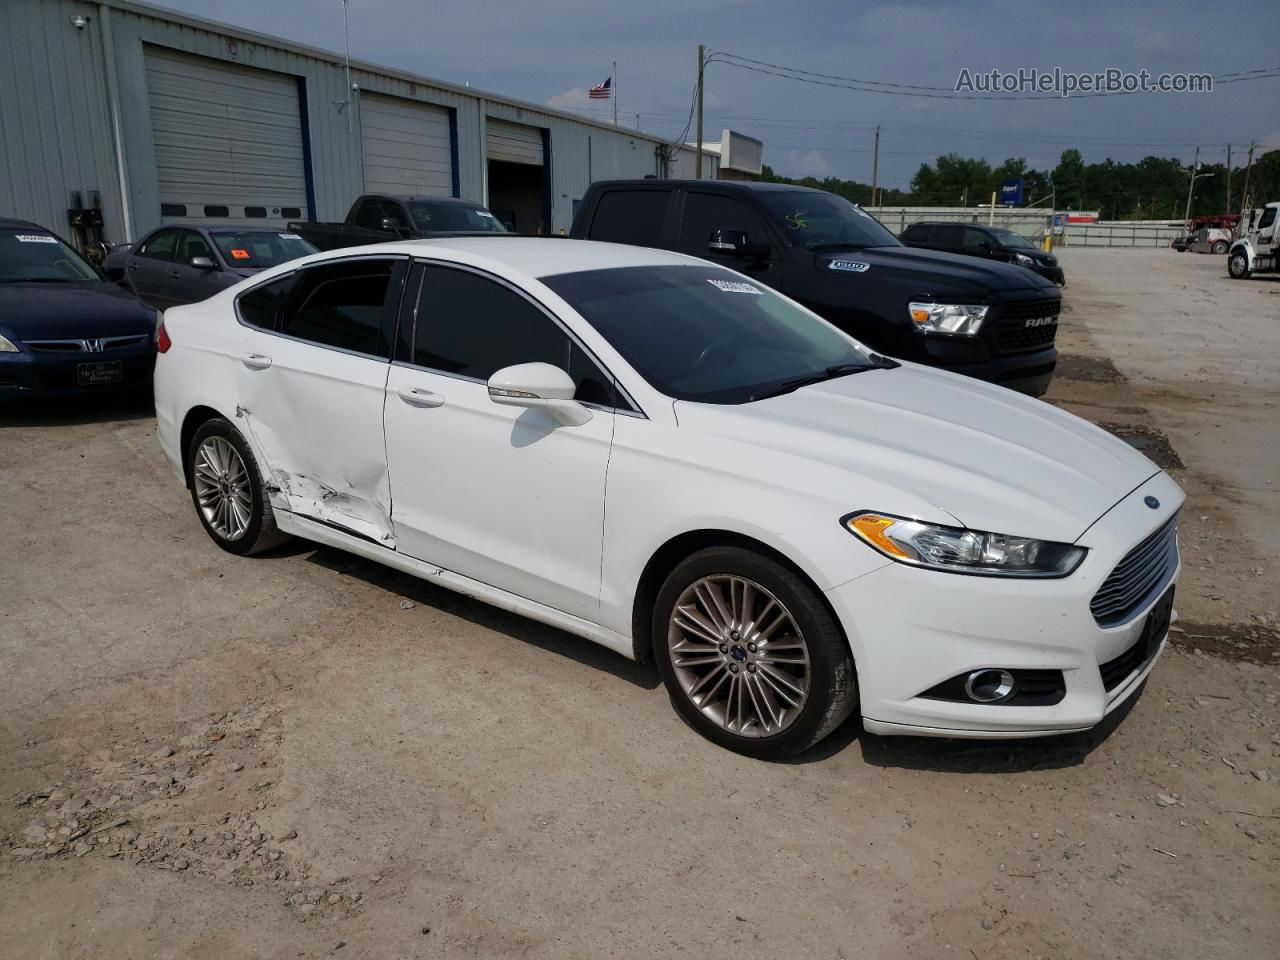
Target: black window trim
{"points": [[412, 316], [401, 257]]}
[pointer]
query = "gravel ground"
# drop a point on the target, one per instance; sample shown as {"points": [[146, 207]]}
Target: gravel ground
{"points": [[306, 755]]}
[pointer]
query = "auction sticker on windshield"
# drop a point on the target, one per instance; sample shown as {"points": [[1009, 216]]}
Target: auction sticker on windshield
{"points": [[734, 286], [240, 254], [34, 238], [849, 266]]}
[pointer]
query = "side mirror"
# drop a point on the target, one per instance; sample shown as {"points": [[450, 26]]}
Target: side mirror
{"points": [[389, 225], [202, 263], [539, 386], [985, 246], [736, 243]]}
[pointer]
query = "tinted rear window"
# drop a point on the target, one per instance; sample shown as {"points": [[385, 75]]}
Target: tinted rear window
{"points": [[630, 216]]}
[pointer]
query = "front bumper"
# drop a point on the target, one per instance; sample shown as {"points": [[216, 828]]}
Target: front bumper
{"points": [[40, 374], [910, 629], [1028, 373], [1053, 274]]}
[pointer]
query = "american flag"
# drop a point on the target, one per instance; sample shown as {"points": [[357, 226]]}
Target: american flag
{"points": [[601, 91]]}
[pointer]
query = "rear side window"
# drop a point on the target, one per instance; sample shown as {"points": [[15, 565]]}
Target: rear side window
{"points": [[342, 305], [630, 216], [917, 233], [974, 239], [260, 307], [947, 235], [160, 245], [472, 326], [708, 212]]}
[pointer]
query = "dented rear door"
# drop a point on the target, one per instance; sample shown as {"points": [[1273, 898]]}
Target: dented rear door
{"points": [[312, 392]]}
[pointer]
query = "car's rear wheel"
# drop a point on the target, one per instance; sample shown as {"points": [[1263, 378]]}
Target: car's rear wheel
{"points": [[228, 491], [1238, 266], [1220, 247], [750, 655]]}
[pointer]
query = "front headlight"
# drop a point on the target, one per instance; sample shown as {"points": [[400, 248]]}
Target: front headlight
{"points": [[1023, 259], [957, 550], [6, 345], [947, 317]]}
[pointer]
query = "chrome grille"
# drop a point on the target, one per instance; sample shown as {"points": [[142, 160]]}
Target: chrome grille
{"points": [[1139, 578], [92, 345]]}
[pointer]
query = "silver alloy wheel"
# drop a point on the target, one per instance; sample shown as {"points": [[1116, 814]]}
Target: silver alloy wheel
{"points": [[738, 655], [222, 488], [1239, 265]]}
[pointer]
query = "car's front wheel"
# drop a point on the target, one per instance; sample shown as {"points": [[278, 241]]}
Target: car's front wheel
{"points": [[751, 656], [228, 491]]}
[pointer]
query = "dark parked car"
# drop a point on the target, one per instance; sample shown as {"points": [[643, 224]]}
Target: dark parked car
{"points": [[64, 328], [377, 218], [994, 243], [175, 265], [985, 319]]}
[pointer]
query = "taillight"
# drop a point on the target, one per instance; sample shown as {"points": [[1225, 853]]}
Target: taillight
{"points": [[163, 343]]}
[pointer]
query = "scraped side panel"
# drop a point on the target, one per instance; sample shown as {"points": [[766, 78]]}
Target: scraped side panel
{"points": [[314, 417]]}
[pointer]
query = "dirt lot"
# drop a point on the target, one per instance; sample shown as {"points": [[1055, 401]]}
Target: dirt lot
{"points": [[305, 755]]}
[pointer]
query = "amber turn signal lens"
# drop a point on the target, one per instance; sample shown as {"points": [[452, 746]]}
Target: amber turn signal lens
{"points": [[872, 528]]}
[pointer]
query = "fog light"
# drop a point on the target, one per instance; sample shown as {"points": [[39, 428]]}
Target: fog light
{"points": [[989, 686]]}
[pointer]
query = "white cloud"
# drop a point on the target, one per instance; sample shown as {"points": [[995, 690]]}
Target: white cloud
{"points": [[810, 163], [574, 99]]}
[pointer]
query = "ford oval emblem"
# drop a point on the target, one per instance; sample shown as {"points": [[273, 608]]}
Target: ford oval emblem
{"points": [[1151, 502]]}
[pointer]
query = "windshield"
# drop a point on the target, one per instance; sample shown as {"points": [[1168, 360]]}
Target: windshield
{"points": [[450, 217], [816, 221], [259, 248], [707, 334], [1010, 239], [37, 257]]}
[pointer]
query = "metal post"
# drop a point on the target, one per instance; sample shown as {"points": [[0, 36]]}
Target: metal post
{"points": [[875, 170], [113, 105], [614, 84], [697, 175], [991, 214], [1228, 210], [1195, 166]]}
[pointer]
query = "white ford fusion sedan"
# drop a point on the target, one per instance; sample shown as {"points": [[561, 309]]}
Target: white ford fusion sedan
{"points": [[673, 460]]}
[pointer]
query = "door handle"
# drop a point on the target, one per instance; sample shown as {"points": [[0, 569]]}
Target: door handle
{"points": [[420, 398], [175, 275], [256, 361], [132, 266]]}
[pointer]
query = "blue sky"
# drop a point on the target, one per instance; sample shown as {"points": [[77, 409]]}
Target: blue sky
{"points": [[549, 52]]}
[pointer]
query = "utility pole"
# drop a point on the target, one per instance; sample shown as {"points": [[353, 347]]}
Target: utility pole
{"points": [[1244, 197], [1228, 210], [1195, 168], [697, 174], [875, 170]]}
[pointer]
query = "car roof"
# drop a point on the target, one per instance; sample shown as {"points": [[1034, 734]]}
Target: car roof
{"points": [[728, 186], [9, 223], [531, 256], [453, 201], [950, 223]]}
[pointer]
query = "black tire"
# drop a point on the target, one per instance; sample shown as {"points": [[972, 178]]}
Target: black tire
{"points": [[1220, 247], [833, 689], [1238, 266], [261, 533]]}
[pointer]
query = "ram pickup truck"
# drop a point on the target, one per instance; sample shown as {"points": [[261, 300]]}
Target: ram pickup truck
{"points": [[378, 217], [990, 320]]}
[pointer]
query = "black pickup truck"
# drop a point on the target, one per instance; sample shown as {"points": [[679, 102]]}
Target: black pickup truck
{"points": [[986, 319], [377, 218]]}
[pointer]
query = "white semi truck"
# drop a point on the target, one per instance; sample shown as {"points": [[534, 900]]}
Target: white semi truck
{"points": [[1256, 248]]}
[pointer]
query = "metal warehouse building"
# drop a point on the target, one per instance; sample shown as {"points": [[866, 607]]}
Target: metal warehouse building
{"points": [[171, 119]]}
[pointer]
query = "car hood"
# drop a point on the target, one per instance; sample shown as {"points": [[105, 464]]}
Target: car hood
{"points": [[934, 273], [94, 308], [984, 456]]}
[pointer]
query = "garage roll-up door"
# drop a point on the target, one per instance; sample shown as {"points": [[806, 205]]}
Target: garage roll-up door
{"points": [[513, 142], [408, 147], [228, 140]]}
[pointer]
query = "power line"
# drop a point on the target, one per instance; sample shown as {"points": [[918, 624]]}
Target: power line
{"points": [[904, 90]]}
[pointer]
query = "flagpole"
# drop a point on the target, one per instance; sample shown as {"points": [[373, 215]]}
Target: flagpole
{"points": [[615, 93]]}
